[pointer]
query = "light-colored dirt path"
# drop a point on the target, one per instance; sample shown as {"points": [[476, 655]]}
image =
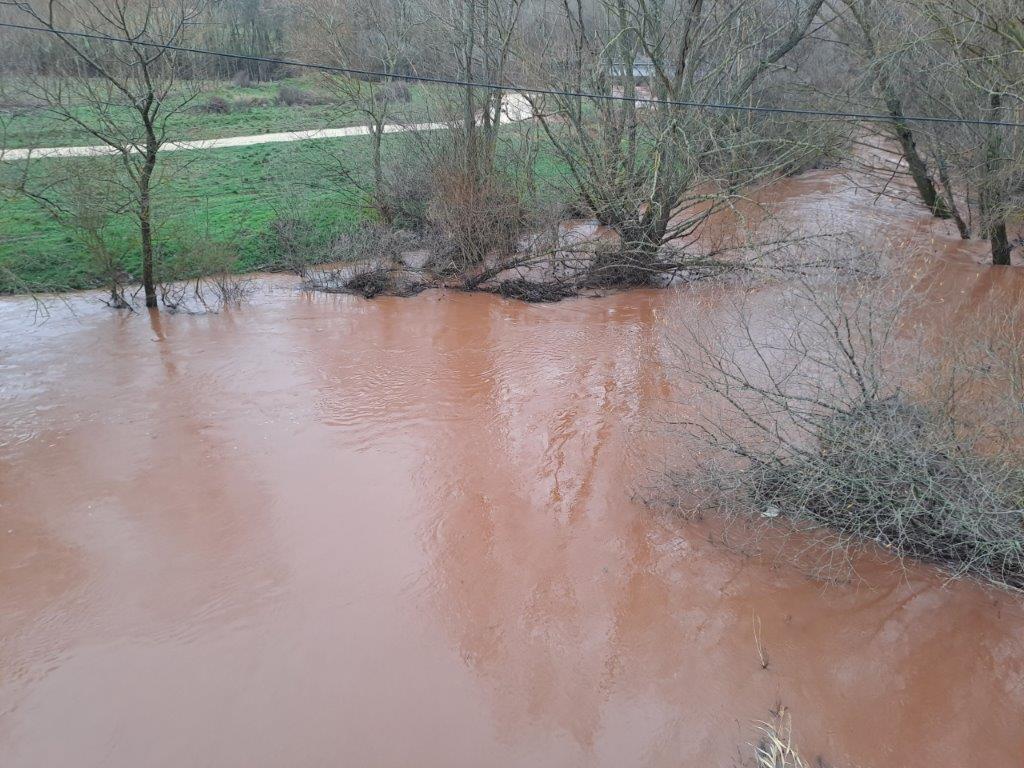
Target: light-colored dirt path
{"points": [[515, 108], [231, 141]]}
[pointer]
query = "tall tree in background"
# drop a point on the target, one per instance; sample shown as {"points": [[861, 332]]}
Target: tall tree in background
{"points": [[964, 60], [249, 28]]}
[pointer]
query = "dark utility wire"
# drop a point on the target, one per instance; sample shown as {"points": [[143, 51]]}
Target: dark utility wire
{"points": [[867, 116]]}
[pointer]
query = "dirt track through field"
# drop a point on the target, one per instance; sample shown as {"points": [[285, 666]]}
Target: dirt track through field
{"points": [[515, 108]]}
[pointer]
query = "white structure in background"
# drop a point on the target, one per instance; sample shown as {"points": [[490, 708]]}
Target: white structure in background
{"points": [[515, 107]]}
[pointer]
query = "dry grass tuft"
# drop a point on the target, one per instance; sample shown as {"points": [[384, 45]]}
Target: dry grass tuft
{"points": [[774, 748]]}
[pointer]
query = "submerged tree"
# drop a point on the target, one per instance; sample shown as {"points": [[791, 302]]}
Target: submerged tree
{"points": [[985, 78], [124, 94], [878, 32], [654, 172], [957, 59]]}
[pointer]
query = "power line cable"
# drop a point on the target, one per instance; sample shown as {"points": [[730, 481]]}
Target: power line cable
{"points": [[710, 105]]}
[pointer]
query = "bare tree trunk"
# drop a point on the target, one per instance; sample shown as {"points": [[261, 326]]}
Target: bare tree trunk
{"points": [[915, 163], [146, 203], [1001, 248], [469, 102], [954, 211], [383, 205], [146, 226], [995, 218], [938, 204]]}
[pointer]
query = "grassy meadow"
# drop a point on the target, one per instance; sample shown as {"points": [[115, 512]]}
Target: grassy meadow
{"points": [[227, 197]]}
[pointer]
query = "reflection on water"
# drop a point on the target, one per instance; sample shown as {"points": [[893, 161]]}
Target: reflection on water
{"points": [[325, 531]]}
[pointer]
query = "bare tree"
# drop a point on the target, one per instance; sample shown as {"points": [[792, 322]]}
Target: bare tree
{"points": [[962, 59], [254, 28], [656, 172], [885, 39], [985, 41], [385, 32], [480, 35], [125, 95]]}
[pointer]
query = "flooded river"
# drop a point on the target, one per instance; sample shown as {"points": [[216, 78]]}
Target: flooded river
{"points": [[324, 531]]}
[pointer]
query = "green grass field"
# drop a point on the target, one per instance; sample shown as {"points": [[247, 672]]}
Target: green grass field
{"points": [[252, 110], [222, 196], [226, 195]]}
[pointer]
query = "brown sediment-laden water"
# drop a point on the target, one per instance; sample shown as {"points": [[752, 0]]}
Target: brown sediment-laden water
{"points": [[324, 531]]}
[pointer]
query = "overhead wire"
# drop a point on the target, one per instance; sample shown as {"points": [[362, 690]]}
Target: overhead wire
{"points": [[527, 89]]}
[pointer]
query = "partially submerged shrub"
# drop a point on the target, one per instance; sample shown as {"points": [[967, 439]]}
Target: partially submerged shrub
{"points": [[811, 422], [371, 282], [202, 276], [899, 474], [534, 290], [612, 266], [368, 261]]}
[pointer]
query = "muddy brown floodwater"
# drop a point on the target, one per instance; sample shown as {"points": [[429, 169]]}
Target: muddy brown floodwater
{"points": [[323, 531]]}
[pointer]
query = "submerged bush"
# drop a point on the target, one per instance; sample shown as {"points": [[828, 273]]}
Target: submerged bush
{"points": [[202, 276], [898, 474], [368, 261], [812, 422], [774, 747]]}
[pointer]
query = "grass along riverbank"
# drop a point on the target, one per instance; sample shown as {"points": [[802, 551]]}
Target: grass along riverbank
{"points": [[226, 198], [220, 110]]}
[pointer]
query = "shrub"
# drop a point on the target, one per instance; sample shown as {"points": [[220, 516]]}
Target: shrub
{"points": [[242, 79], [479, 215], [215, 105], [290, 96], [811, 422], [295, 244], [255, 102], [392, 93], [408, 186]]}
